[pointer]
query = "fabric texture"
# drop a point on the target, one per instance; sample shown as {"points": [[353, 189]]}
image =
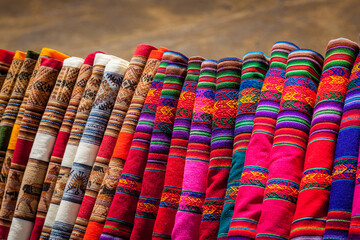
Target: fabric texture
{"points": [[60, 145], [222, 139], [287, 155], [249, 198], [312, 204], [88, 147], [125, 94], [169, 201], [188, 216], [6, 58], [253, 72], [100, 206], [345, 165], [120, 219], [154, 174], [44, 141], [38, 98]]}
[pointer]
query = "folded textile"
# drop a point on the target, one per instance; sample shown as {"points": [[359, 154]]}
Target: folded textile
{"points": [[43, 144], [222, 139], [60, 145], [345, 164], [88, 147], [6, 58], [287, 155], [12, 108], [36, 103], [170, 197], [312, 204], [188, 216], [121, 214], [45, 53], [249, 198], [5, 94], [124, 95], [96, 71], [154, 174], [253, 72], [101, 202]]}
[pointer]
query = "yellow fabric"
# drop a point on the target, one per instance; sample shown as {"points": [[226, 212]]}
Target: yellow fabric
{"points": [[20, 55], [51, 53], [14, 136]]}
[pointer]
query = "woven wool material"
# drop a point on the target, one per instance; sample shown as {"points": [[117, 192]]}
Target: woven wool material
{"points": [[43, 84], [88, 147], [96, 72], [45, 53], [345, 164], [222, 138], [249, 198], [36, 168], [12, 109], [6, 58], [100, 203], [95, 128], [354, 231], [12, 77], [188, 216], [132, 76], [287, 155], [60, 144], [253, 73], [312, 204], [170, 197], [121, 214], [154, 174]]}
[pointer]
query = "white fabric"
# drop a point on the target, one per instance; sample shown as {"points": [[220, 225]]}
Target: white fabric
{"points": [[20, 229], [73, 62], [42, 147]]}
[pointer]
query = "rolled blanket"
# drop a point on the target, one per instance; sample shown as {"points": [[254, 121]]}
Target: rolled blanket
{"points": [[313, 200], [287, 155], [249, 198], [170, 197], [154, 174], [253, 73], [188, 216], [26, 206], [120, 218], [6, 58]]}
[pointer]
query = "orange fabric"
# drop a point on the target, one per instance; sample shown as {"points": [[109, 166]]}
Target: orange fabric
{"points": [[123, 145], [53, 54], [20, 55]]}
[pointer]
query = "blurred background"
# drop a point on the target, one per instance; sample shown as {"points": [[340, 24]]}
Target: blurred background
{"points": [[210, 28]]}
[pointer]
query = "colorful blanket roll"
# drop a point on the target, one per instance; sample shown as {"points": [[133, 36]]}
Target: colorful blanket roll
{"points": [[6, 57]]}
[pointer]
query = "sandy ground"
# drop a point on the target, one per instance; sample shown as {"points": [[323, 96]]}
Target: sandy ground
{"points": [[212, 28]]}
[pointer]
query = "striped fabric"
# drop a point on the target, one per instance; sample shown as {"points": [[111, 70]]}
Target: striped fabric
{"points": [[222, 139], [312, 204], [131, 79], [188, 216], [93, 134], [44, 141], [288, 152], [354, 232], [11, 97], [6, 58], [120, 218], [38, 98], [82, 115], [60, 145], [10, 80], [345, 164], [88, 148], [100, 205], [254, 176], [253, 73], [154, 173], [170, 197], [45, 53]]}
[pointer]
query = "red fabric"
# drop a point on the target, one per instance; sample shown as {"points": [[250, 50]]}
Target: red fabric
{"points": [[52, 63], [22, 151], [6, 56], [144, 49], [90, 58], [60, 144]]}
